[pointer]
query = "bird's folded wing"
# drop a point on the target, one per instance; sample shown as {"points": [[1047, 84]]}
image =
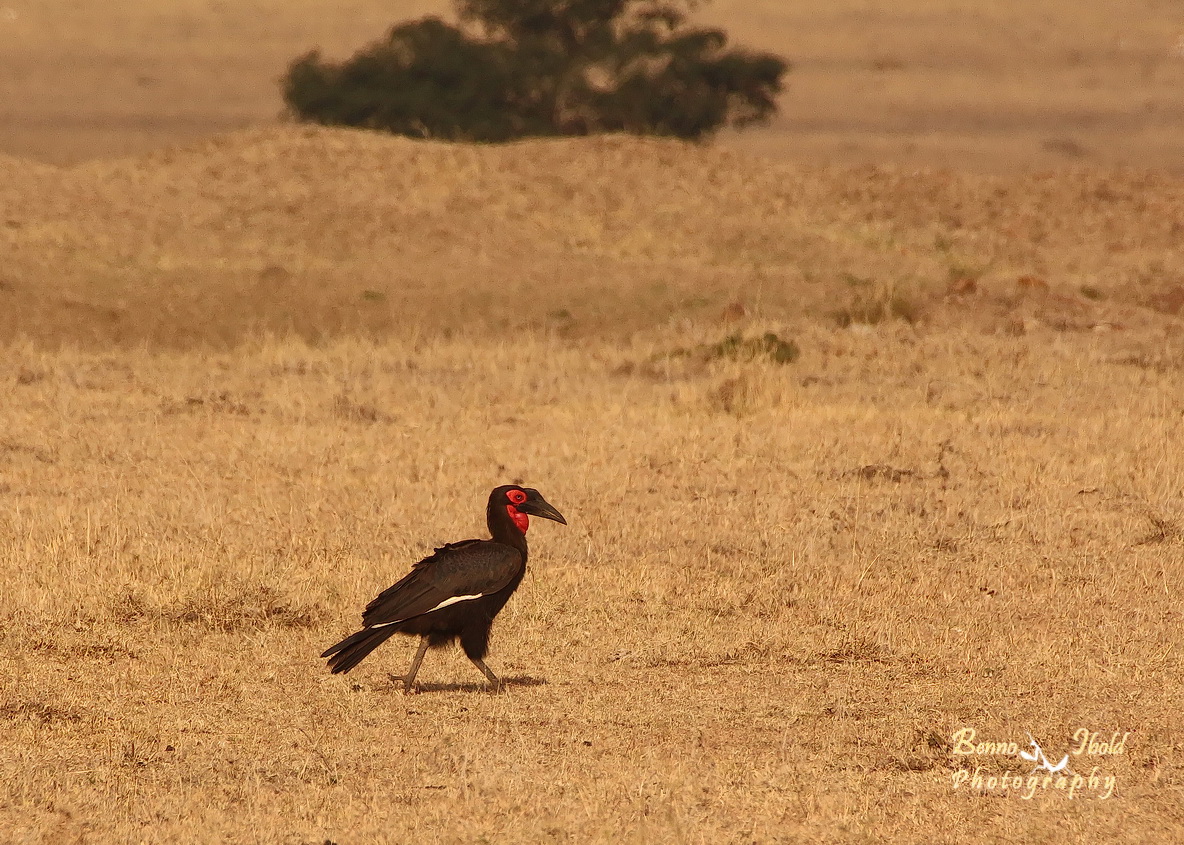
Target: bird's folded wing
{"points": [[455, 573]]}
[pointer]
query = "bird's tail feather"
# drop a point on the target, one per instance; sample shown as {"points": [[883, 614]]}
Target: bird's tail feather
{"points": [[353, 649]]}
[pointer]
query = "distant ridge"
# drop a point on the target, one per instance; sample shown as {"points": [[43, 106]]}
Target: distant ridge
{"points": [[322, 231]]}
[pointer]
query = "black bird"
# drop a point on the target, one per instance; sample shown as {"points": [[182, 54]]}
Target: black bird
{"points": [[455, 592]]}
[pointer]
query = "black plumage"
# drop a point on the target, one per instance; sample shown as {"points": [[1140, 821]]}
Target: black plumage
{"points": [[456, 592]]}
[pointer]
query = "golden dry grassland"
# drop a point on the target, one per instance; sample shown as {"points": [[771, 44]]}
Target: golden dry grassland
{"points": [[246, 384], [783, 590], [318, 232]]}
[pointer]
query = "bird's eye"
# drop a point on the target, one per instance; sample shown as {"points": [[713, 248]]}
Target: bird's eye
{"points": [[516, 497]]}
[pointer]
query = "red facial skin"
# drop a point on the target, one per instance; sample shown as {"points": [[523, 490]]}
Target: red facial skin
{"points": [[521, 520]]}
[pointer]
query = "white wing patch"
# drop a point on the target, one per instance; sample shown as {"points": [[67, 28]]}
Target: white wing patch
{"points": [[454, 600], [442, 604]]}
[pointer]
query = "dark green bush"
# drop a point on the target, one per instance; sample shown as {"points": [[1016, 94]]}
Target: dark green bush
{"points": [[542, 67], [426, 79]]}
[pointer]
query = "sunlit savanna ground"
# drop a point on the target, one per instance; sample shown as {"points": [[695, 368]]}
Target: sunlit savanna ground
{"points": [[246, 382], [782, 590]]}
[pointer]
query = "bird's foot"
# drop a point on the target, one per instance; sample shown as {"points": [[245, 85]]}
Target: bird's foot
{"points": [[495, 683], [408, 684]]}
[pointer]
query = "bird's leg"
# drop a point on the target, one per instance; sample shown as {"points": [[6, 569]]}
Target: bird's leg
{"points": [[409, 679], [494, 681]]}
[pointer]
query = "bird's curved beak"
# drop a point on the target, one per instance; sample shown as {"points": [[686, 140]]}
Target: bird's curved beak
{"points": [[536, 505]]}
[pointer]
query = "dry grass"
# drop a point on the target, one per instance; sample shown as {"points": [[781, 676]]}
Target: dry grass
{"points": [[764, 623], [319, 232], [245, 384]]}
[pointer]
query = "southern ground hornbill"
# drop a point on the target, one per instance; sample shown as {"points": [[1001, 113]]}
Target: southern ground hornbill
{"points": [[455, 592]]}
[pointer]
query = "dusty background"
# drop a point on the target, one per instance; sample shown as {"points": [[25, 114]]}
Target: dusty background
{"points": [[989, 86], [248, 377]]}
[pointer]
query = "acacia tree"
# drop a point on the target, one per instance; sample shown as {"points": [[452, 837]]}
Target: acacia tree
{"points": [[543, 67]]}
